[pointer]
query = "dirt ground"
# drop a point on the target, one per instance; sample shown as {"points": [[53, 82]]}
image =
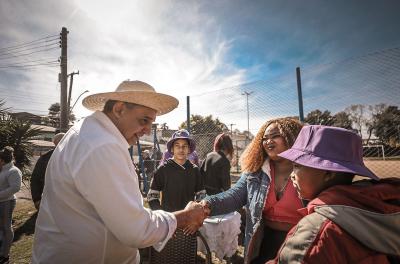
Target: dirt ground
{"points": [[384, 168]]}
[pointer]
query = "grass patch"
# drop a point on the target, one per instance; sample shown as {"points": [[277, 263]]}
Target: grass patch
{"points": [[24, 218]]}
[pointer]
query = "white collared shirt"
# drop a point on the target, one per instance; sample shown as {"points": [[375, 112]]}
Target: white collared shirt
{"points": [[92, 209]]}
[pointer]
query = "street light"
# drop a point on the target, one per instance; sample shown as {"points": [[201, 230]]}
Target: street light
{"points": [[248, 116], [70, 110]]}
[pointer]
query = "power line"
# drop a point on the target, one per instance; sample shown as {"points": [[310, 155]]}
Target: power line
{"points": [[40, 61], [28, 61], [55, 63], [13, 52], [28, 43], [25, 54]]}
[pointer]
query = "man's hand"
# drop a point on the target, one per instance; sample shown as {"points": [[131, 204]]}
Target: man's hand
{"points": [[191, 218], [206, 207]]}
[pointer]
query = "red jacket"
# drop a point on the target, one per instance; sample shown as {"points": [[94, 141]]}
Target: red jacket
{"points": [[359, 223]]}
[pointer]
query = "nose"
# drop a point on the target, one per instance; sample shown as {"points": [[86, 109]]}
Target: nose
{"points": [[292, 175], [268, 141], [147, 129]]}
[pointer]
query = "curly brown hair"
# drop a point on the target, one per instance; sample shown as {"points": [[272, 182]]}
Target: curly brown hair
{"points": [[254, 155]]}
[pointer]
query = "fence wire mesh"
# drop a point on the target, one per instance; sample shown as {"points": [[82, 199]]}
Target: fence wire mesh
{"points": [[362, 94]]}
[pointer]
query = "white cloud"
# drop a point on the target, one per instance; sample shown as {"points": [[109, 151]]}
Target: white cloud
{"points": [[170, 45]]}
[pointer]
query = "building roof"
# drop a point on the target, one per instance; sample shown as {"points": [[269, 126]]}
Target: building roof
{"points": [[44, 128], [41, 143]]}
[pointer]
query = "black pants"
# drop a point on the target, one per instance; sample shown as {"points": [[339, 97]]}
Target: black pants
{"points": [[270, 245]]}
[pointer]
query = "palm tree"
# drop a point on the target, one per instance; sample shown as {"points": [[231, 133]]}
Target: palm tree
{"points": [[3, 110], [17, 134]]}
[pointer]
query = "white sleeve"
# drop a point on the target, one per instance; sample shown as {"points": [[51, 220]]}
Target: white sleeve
{"points": [[109, 182]]}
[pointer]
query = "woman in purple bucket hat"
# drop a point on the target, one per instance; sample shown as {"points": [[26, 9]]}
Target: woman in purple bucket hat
{"points": [[345, 221]]}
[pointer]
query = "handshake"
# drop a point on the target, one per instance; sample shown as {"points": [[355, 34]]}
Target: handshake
{"points": [[191, 218]]}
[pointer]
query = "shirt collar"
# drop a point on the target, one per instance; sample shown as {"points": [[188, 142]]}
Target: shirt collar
{"points": [[109, 125], [266, 168], [182, 166]]}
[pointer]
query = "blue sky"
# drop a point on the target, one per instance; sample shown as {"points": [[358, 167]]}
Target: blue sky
{"points": [[194, 47]]}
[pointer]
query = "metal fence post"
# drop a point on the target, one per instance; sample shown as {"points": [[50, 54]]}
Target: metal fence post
{"points": [[300, 95], [188, 112]]}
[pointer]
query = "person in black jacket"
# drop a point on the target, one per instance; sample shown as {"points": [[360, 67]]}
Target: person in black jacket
{"points": [[216, 167], [177, 179], [38, 174]]}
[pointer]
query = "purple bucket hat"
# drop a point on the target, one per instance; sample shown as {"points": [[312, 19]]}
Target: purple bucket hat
{"points": [[181, 134], [329, 148]]}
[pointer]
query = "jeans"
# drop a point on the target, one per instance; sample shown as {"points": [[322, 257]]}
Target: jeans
{"points": [[270, 245], [6, 231]]}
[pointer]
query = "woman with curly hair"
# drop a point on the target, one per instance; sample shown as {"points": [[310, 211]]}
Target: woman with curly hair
{"points": [[10, 183], [265, 189]]}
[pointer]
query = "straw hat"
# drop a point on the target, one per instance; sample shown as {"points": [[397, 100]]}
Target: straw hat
{"points": [[135, 92]]}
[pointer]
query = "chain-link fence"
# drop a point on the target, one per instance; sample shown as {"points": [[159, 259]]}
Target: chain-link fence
{"points": [[362, 94]]}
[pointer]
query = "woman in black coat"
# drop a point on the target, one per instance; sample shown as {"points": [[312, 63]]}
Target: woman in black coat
{"points": [[215, 169]]}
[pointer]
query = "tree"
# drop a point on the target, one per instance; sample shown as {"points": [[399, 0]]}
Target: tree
{"points": [[371, 124], [316, 117], [3, 110], [357, 116], [17, 134], [204, 125], [204, 130], [342, 119], [387, 125], [54, 115]]}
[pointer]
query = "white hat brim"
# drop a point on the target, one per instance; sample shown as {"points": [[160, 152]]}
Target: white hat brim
{"points": [[162, 103]]}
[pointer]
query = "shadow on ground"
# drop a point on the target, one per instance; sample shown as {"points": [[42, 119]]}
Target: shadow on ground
{"points": [[27, 228]]}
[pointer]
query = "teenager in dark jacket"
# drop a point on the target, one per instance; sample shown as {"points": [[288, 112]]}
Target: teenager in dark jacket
{"points": [[216, 168], [177, 179]]}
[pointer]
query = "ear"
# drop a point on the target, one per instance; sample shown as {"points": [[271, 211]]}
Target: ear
{"points": [[118, 109], [328, 176]]}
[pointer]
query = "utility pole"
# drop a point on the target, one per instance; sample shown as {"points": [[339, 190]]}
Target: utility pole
{"points": [[63, 79], [188, 113], [231, 125], [71, 75], [248, 115], [299, 95]]}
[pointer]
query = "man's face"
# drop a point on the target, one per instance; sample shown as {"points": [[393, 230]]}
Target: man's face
{"points": [[133, 122], [309, 182], [180, 150]]}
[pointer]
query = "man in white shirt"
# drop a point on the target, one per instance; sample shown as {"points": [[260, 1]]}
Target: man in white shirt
{"points": [[92, 209]]}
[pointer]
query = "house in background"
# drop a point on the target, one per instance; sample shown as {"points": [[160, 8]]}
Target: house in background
{"points": [[44, 141], [27, 117]]}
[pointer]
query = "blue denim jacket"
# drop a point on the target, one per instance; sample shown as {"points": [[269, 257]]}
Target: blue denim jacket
{"points": [[250, 191]]}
